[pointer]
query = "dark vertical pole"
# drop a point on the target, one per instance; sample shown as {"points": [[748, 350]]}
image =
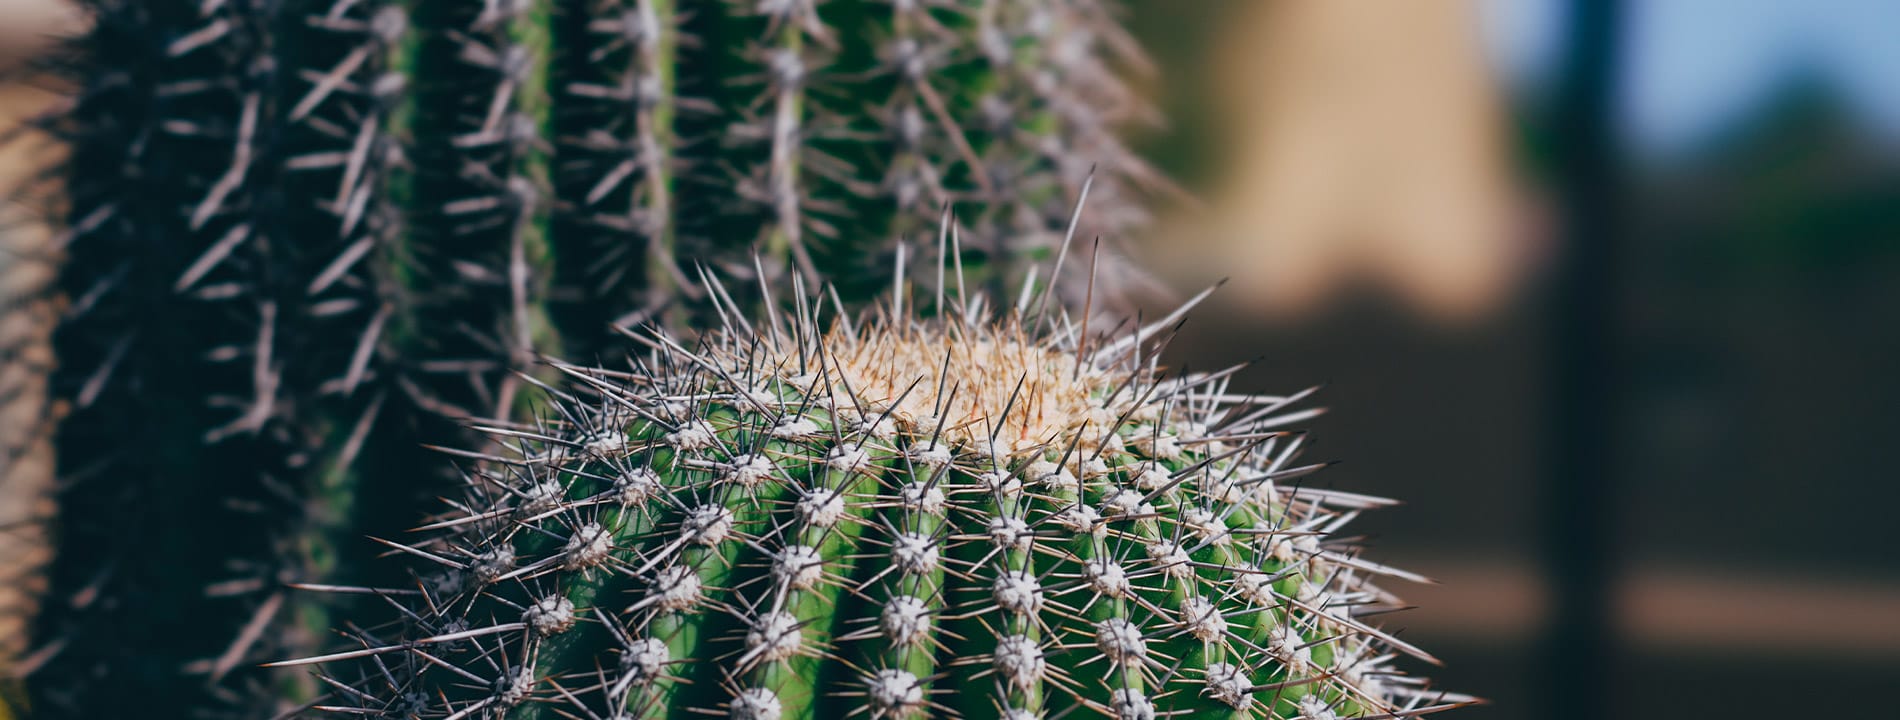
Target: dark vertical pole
{"points": [[1580, 498]]}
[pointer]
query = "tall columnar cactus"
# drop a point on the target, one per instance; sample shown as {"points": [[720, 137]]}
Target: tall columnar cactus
{"points": [[807, 514], [307, 237]]}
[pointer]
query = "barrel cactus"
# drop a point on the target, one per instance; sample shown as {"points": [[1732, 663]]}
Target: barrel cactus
{"points": [[953, 513], [303, 238]]}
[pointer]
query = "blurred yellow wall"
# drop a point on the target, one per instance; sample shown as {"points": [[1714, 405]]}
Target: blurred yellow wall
{"points": [[1362, 143], [27, 311]]}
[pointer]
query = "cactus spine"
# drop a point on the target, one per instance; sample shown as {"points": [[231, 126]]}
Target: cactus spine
{"points": [[896, 517], [306, 237]]}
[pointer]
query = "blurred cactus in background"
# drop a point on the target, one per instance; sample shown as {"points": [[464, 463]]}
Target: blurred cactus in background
{"points": [[305, 238]]}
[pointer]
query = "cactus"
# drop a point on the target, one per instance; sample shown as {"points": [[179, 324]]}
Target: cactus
{"points": [[304, 238], [893, 515]]}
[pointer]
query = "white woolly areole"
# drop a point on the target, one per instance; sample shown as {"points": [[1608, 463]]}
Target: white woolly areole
{"points": [[1107, 578], [1314, 707], [876, 426], [905, 621], [914, 553], [601, 444], [997, 482], [894, 693], [924, 422], [1121, 641], [981, 446], [1131, 704], [1257, 587], [551, 615], [1223, 486], [1293, 548], [1153, 478], [1146, 442], [491, 565], [1020, 661], [922, 496], [1228, 684], [848, 458], [795, 428], [1010, 533], [588, 547], [760, 398], [749, 471], [605, 442], [677, 588], [707, 525], [692, 435], [512, 688], [1285, 642], [1171, 559], [541, 497], [669, 409], [756, 704], [1202, 619], [1018, 592], [1051, 476], [1207, 526], [1125, 502], [1082, 520], [774, 636], [820, 507], [931, 455], [798, 567], [645, 660], [636, 486]]}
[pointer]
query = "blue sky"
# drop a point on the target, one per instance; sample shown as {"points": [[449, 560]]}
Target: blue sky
{"points": [[1692, 64]]}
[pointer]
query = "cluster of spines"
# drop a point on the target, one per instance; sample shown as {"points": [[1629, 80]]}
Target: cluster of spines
{"points": [[738, 529]]}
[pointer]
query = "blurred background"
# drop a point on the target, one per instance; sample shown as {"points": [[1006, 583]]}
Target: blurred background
{"points": [[1607, 290]]}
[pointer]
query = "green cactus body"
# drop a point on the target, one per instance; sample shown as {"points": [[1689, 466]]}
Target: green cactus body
{"points": [[186, 321], [895, 517], [308, 237]]}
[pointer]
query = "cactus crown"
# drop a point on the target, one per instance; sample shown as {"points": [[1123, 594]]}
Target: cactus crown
{"points": [[891, 516]]}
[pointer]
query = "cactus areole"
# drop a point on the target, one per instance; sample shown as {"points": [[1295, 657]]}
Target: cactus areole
{"points": [[969, 515]]}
